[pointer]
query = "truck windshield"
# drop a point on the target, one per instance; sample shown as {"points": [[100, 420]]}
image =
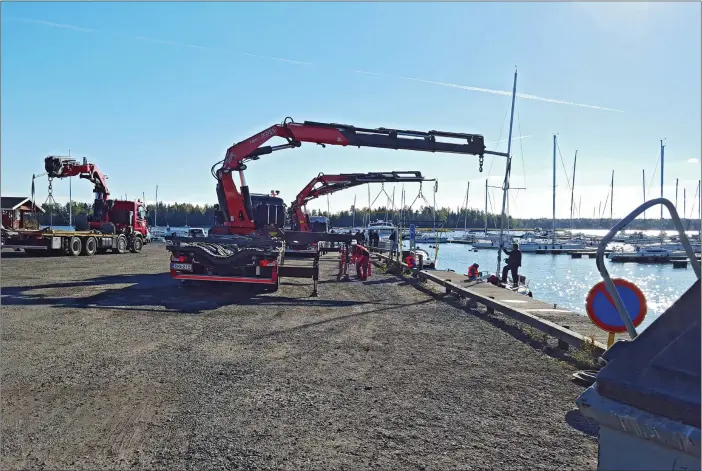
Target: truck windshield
{"points": [[319, 227]]}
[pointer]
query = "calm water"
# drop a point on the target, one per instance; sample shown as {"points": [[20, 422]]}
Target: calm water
{"points": [[565, 281]]}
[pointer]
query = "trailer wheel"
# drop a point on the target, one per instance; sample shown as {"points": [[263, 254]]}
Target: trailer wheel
{"points": [[89, 246], [75, 246], [137, 245], [121, 244]]}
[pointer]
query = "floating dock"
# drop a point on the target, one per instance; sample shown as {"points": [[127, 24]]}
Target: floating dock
{"points": [[674, 259]]}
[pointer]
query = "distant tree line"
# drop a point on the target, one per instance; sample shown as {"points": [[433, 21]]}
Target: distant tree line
{"points": [[182, 214]]}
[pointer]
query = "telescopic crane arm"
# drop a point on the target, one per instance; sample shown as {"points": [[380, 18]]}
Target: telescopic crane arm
{"points": [[237, 206], [327, 184], [63, 167]]}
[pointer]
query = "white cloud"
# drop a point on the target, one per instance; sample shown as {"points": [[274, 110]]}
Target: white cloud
{"points": [[693, 161]]}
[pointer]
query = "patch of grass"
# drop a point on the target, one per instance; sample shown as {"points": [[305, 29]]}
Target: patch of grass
{"points": [[587, 354]]}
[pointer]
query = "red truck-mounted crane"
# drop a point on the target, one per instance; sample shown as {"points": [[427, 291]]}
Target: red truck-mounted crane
{"points": [[116, 225], [327, 184], [246, 244]]}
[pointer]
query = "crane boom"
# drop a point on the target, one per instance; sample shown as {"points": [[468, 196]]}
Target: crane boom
{"points": [[236, 208], [327, 184], [64, 167]]}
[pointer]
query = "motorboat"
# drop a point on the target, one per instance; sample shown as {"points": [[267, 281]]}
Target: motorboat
{"points": [[538, 245], [642, 254], [427, 262], [384, 230]]}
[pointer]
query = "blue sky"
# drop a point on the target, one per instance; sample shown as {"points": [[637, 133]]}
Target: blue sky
{"points": [[154, 93]]}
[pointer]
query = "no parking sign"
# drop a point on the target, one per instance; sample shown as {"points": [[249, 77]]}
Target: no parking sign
{"points": [[603, 313]]}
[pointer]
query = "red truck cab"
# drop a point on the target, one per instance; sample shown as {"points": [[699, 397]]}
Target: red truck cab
{"points": [[122, 214]]}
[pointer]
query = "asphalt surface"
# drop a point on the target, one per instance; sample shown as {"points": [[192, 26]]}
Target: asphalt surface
{"points": [[107, 363]]}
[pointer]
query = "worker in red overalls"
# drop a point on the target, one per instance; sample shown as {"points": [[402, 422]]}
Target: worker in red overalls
{"points": [[409, 260], [362, 262]]}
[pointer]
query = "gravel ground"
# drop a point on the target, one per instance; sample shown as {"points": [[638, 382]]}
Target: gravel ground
{"points": [[107, 363]]}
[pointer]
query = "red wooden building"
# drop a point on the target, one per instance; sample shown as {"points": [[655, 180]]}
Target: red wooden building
{"points": [[14, 208]]}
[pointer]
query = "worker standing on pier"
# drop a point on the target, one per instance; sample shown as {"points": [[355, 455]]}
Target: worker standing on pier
{"points": [[513, 262], [393, 242]]}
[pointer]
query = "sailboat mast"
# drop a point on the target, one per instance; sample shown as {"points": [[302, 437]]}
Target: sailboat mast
{"points": [[465, 216], [676, 193], [353, 215], [684, 203], [508, 169], [369, 207], [611, 199], [70, 197], [486, 201], [662, 167], [156, 207], [572, 190], [643, 174], [553, 236]]}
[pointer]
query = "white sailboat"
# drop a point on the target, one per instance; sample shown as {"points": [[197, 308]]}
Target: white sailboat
{"points": [[490, 240], [539, 244]]}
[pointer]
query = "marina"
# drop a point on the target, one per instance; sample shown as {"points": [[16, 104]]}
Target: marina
{"points": [[259, 313]]}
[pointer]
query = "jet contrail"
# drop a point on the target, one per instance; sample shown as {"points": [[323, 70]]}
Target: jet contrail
{"points": [[494, 92], [290, 61], [55, 25]]}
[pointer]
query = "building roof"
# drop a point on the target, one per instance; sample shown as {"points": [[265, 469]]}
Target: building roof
{"points": [[14, 202]]}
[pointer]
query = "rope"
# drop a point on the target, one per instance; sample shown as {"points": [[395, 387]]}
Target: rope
{"points": [[382, 190], [499, 138], [563, 164], [521, 146]]}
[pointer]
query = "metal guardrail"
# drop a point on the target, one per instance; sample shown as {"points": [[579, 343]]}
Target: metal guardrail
{"points": [[609, 284]]}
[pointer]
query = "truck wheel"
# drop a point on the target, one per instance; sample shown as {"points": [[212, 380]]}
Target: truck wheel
{"points": [[121, 244], [75, 246], [137, 245], [89, 246]]}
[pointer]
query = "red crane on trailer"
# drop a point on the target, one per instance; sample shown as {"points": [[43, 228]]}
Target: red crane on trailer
{"points": [[244, 246], [115, 224], [327, 184]]}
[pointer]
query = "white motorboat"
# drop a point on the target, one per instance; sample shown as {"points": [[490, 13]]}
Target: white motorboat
{"points": [[384, 230], [427, 261], [642, 254], [492, 241]]}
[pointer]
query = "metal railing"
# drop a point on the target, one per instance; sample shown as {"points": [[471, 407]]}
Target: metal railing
{"points": [[609, 284]]}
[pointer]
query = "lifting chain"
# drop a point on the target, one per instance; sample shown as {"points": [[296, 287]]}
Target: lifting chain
{"points": [[481, 159], [50, 198], [51, 190]]}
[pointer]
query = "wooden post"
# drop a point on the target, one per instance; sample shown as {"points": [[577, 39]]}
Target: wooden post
{"points": [[610, 339]]}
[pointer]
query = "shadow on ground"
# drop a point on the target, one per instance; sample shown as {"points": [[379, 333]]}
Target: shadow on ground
{"points": [[582, 424], [157, 290], [510, 327]]}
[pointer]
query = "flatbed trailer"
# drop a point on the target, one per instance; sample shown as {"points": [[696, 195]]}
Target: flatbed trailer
{"points": [[256, 259], [73, 243]]}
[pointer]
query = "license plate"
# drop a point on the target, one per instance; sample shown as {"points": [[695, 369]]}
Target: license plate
{"points": [[182, 266]]}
